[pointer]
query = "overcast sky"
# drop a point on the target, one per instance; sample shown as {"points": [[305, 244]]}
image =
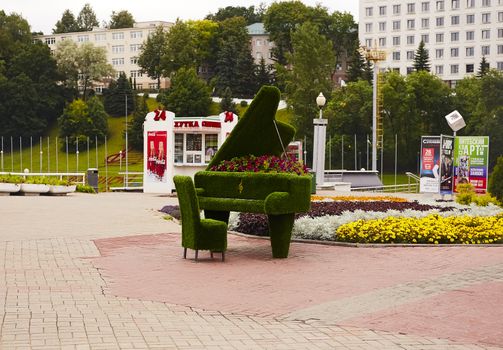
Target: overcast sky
{"points": [[43, 15]]}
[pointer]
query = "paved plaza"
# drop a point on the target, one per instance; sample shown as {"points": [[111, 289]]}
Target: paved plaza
{"points": [[106, 272]]}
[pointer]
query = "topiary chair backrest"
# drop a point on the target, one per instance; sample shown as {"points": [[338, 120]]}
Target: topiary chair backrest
{"points": [[189, 209]]}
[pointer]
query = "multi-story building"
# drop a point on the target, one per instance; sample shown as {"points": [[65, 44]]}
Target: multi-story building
{"points": [[261, 46], [456, 33], [123, 46]]}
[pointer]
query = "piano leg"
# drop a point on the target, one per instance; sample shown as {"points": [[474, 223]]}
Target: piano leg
{"points": [[280, 231]]}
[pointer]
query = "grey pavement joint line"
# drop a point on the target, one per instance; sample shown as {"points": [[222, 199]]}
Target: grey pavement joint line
{"points": [[385, 298]]}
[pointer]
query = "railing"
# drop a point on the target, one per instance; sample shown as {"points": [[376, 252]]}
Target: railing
{"points": [[413, 177], [132, 181], [82, 176], [409, 188]]}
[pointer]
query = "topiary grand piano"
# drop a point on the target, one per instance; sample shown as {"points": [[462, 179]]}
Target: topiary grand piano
{"points": [[279, 195]]}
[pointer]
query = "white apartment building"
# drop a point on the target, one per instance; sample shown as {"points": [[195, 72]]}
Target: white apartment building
{"points": [[123, 46], [456, 33], [261, 46]]}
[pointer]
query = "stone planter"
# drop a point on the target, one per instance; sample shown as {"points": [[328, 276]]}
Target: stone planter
{"points": [[8, 188], [33, 189], [60, 190]]}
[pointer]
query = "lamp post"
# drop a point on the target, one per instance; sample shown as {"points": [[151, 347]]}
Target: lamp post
{"points": [[320, 135]]}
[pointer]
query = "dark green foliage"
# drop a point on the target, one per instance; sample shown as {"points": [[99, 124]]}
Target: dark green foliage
{"points": [[115, 97], [188, 96], [496, 180], [206, 234], [152, 53], [121, 19], [258, 120], [181, 49], [483, 68], [86, 19], [135, 130], [250, 14], [280, 231], [421, 59], [264, 74], [66, 24], [226, 104]]}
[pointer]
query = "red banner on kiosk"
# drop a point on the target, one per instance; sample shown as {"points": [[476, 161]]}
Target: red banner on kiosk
{"points": [[156, 163]]}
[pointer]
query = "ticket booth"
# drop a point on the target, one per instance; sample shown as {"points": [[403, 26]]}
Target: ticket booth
{"points": [[180, 146]]}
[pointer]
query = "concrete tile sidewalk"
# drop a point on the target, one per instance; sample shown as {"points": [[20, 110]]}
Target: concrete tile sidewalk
{"points": [[58, 292]]}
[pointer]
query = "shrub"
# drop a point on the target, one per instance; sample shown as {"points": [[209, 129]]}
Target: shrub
{"points": [[496, 180], [85, 189], [11, 179], [466, 193]]}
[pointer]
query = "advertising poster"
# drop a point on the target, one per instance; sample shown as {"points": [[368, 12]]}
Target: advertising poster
{"points": [[156, 161], [430, 164], [471, 159], [446, 163]]}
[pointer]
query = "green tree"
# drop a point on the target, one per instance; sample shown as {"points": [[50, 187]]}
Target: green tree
{"points": [[181, 49], [205, 35], [359, 67], [135, 128], [121, 19], [152, 53], [483, 68], [234, 66], [115, 97], [86, 19], [312, 65], [82, 64], [66, 24], [14, 32], [421, 59], [263, 74], [496, 180], [226, 104], [250, 14], [188, 96]]}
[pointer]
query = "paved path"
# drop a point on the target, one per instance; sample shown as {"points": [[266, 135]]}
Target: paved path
{"points": [[105, 272]]}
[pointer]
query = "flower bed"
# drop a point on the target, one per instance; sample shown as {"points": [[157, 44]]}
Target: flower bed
{"points": [[359, 198], [432, 229], [262, 164]]}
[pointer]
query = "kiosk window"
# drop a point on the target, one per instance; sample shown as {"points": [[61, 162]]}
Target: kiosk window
{"points": [[210, 146], [178, 148], [193, 143]]}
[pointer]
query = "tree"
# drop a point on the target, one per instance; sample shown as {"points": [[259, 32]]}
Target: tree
{"points": [[121, 19], [483, 68], [205, 34], [250, 14], [82, 64], [181, 50], [312, 65], [152, 53], [496, 180], [359, 67], [226, 104], [188, 96], [14, 32], [135, 128], [86, 19], [263, 74], [115, 97], [234, 66], [421, 59], [81, 120], [66, 24]]}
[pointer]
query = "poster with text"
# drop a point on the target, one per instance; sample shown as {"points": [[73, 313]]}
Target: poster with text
{"points": [[446, 163], [429, 175], [156, 156], [471, 159]]}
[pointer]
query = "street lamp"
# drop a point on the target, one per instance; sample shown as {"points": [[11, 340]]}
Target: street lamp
{"points": [[320, 135]]}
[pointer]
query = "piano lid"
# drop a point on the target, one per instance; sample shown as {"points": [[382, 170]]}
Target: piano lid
{"points": [[255, 132]]}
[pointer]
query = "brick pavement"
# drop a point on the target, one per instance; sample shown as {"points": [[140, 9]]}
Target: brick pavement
{"points": [[55, 295]]}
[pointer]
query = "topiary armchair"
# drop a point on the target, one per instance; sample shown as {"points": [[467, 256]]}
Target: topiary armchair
{"points": [[197, 233]]}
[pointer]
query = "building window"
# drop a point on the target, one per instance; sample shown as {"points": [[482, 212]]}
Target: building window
{"points": [[439, 69], [486, 18], [178, 148], [470, 51], [500, 49], [411, 24], [396, 41], [50, 41], [486, 3], [470, 35], [454, 52], [210, 146], [499, 65], [486, 50], [258, 42], [258, 56], [369, 11], [439, 53], [139, 86], [470, 3], [440, 21], [425, 6], [382, 42], [100, 37], [410, 39], [152, 86], [133, 60], [396, 9], [410, 55], [118, 36], [368, 42], [454, 4], [500, 16], [382, 26], [368, 27], [396, 56], [486, 34], [454, 68], [440, 6], [500, 33], [411, 8], [469, 68], [135, 47], [136, 34], [425, 23], [454, 20], [396, 25], [117, 61], [425, 38], [454, 36], [82, 38], [439, 37], [118, 49], [136, 74], [193, 147], [382, 10]]}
